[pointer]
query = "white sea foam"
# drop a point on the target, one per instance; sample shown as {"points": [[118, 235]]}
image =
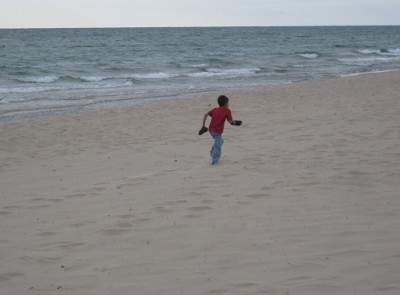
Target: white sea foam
{"points": [[394, 51], [199, 66], [8, 90], [390, 52], [369, 60], [92, 78], [226, 72], [366, 73], [159, 75], [40, 79], [309, 55]]}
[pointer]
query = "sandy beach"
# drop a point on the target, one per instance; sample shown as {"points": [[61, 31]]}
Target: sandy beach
{"points": [[305, 200]]}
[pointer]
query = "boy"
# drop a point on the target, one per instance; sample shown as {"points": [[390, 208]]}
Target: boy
{"points": [[216, 128]]}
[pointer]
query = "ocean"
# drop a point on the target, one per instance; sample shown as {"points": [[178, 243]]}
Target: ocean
{"points": [[49, 72]]}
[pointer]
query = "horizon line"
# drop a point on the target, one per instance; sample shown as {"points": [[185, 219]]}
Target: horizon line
{"points": [[177, 27]]}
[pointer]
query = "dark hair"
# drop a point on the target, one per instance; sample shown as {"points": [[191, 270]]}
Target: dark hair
{"points": [[222, 100]]}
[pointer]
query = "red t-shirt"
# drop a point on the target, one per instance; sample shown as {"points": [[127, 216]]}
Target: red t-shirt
{"points": [[218, 116]]}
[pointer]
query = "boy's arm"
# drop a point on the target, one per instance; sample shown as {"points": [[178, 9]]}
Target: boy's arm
{"points": [[229, 118], [205, 119], [203, 128]]}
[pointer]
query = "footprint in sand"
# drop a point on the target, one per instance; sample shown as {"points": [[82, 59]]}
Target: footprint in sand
{"points": [[244, 203], [47, 234], [74, 196], [258, 196], [133, 219], [208, 201], [124, 225], [196, 194], [9, 275], [70, 246], [193, 216], [127, 216], [12, 207], [77, 225], [39, 207], [162, 209], [47, 200], [171, 203], [199, 208], [243, 285], [114, 232], [218, 291]]}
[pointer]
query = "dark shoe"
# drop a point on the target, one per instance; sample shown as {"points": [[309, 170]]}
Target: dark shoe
{"points": [[203, 130]]}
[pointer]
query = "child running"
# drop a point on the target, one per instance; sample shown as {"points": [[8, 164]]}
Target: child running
{"points": [[217, 124]]}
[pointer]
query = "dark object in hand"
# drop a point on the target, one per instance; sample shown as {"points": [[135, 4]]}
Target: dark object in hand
{"points": [[203, 130], [238, 123]]}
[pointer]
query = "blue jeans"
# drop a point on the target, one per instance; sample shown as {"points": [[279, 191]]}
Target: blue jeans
{"points": [[217, 147]]}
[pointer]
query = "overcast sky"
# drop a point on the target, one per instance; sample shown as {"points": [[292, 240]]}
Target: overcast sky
{"points": [[172, 13]]}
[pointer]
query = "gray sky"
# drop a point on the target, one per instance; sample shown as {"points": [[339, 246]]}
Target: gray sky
{"points": [[166, 13]]}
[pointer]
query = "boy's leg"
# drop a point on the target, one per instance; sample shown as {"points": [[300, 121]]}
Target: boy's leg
{"points": [[217, 148]]}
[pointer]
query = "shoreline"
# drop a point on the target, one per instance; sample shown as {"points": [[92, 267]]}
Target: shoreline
{"points": [[125, 200], [128, 103]]}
